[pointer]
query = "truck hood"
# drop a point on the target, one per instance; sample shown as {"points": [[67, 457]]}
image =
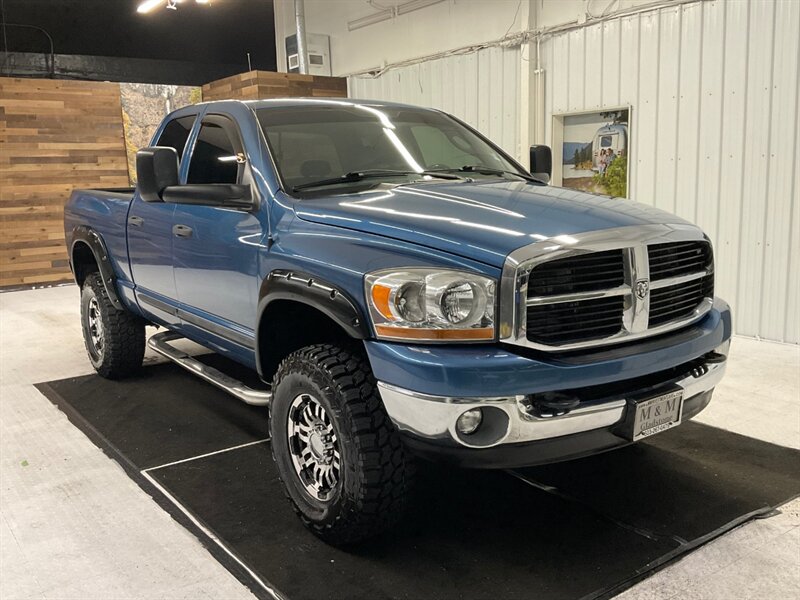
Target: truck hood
{"points": [[483, 221]]}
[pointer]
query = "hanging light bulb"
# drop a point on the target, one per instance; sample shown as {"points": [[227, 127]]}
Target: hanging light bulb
{"points": [[148, 5]]}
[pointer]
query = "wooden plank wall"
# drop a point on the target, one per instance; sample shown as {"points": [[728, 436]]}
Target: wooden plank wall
{"points": [[55, 135], [257, 85]]}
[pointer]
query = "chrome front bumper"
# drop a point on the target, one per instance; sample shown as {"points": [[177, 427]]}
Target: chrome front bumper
{"points": [[433, 418]]}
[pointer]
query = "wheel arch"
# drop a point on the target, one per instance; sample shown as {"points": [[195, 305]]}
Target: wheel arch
{"points": [[295, 310], [88, 254]]}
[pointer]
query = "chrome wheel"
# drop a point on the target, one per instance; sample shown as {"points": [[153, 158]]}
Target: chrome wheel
{"points": [[313, 447], [95, 326]]}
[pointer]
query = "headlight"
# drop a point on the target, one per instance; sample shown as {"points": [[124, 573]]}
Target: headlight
{"points": [[431, 305]]}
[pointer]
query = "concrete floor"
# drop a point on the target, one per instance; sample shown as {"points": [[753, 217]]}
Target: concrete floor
{"points": [[75, 526]]}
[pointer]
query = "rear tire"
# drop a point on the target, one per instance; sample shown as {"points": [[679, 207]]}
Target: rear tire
{"points": [[342, 463], [114, 338]]}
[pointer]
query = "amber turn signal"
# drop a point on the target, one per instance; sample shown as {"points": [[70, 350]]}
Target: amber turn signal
{"points": [[380, 299], [406, 333]]}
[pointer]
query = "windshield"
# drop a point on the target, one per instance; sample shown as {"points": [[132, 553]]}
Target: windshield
{"points": [[316, 142]]}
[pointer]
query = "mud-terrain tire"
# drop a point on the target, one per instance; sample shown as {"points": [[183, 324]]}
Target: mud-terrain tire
{"points": [[330, 392], [114, 338]]}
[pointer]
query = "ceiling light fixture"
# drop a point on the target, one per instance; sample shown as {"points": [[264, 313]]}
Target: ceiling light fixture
{"points": [[149, 5]]}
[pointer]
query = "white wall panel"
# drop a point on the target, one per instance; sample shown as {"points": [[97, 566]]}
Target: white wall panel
{"points": [[710, 150], [733, 61], [714, 126], [784, 154], [667, 117], [715, 119], [593, 53], [630, 54], [610, 64], [481, 88], [755, 181], [688, 119]]}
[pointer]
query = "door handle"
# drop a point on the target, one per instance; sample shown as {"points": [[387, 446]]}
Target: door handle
{"points": [[135, 221], [183, 231]]}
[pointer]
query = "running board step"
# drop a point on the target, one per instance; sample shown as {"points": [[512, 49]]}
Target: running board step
{"points": [[160, 343]]}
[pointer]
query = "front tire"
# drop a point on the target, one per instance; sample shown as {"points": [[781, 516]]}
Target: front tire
{"points": [[342, 463], [114, 338]]}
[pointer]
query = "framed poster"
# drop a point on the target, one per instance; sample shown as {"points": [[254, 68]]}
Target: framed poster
{"points": [[594, 148]]}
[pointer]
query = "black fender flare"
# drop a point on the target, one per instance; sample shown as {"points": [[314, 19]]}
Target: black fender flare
{"points": [[94, 241], [312, 291]]}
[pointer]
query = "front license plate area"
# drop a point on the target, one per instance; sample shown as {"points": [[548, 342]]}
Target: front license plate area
{"points": [[654, 415]]}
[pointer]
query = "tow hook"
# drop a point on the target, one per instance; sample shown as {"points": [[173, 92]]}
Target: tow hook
{"points": [[715, 358], [712, 358]]}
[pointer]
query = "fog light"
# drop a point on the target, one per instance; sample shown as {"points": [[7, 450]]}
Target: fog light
{"points": [[469, 421]]}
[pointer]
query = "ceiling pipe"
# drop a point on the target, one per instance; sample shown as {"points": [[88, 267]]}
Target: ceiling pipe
{"points": [[302, 46], [384, 14]]}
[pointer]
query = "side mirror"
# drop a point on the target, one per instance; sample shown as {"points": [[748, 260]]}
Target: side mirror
{"points": [[541, 163], [156, 169]]}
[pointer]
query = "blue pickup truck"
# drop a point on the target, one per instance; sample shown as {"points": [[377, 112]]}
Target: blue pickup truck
{"points": [[403, 288]]}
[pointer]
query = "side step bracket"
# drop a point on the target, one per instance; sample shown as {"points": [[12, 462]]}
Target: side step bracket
{"points": [[160, 343]]}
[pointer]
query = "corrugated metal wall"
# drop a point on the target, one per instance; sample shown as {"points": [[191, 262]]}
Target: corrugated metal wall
{"points": [[715, 116], [714, 91], [481, 88]]}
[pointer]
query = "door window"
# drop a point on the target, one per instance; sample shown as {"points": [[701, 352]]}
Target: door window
{"points": [[217, 155], [175, 134]]}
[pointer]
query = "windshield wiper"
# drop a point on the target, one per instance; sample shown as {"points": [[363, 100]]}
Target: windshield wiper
{"points": [[484, 170], [354, 176]]}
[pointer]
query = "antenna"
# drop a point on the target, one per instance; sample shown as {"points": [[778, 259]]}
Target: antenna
{"points": [[249, 66]]}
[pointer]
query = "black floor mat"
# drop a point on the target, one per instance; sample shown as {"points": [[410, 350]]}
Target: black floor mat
{"points": [[586, 528]]}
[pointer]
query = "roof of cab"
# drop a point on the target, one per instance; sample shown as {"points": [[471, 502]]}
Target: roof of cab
{"points": [[310, 102]]}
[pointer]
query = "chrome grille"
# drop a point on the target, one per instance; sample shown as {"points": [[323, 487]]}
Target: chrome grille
{"points": [[605, 287], [585, 273], [579, 320], [681, 258], [554, 324], [679, 301]]}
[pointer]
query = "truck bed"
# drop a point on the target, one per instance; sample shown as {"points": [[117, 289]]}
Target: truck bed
{"points": [[105, 211]]}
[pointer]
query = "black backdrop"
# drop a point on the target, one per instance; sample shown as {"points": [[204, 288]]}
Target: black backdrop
{"points": [[214, 39]]}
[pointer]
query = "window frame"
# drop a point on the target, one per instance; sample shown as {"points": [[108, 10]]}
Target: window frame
{"points": [[237, 139], [162, 131]]}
